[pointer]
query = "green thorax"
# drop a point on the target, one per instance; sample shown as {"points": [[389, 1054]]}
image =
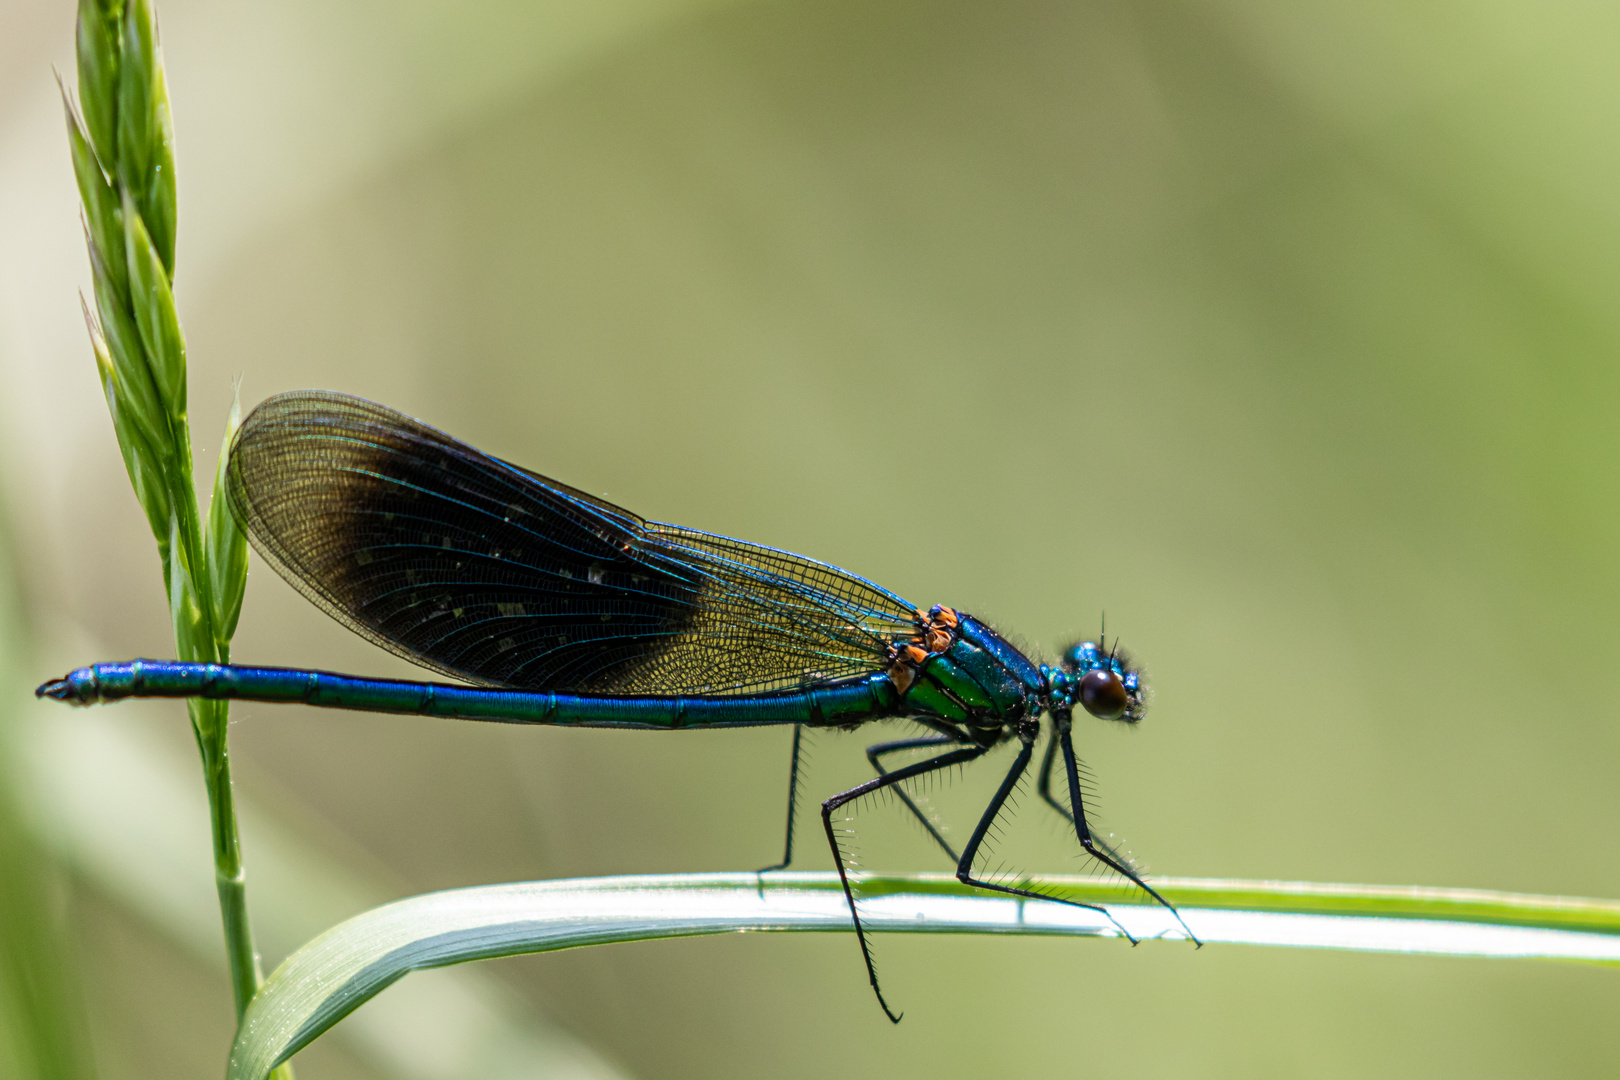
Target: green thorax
{"points": [[978, 679]]}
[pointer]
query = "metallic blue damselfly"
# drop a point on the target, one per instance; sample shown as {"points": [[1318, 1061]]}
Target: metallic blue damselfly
{"points": [[552, 606]]}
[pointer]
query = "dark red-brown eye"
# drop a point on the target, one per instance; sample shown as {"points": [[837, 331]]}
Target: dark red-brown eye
{"points": [[1103, 694]]}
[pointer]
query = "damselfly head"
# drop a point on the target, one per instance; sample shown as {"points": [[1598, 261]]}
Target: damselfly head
{"points": [[1103, 682]]}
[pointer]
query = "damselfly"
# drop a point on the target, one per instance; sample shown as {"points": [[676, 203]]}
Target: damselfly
{"points": [[560, 608]]}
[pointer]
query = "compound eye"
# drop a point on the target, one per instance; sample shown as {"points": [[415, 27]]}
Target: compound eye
{"points": [[1103, 694]]}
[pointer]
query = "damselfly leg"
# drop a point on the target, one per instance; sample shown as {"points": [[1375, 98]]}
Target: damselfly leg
{"points": [[879, 750], [1061, 722], [792, 803], [944, 761], [964, 868]]}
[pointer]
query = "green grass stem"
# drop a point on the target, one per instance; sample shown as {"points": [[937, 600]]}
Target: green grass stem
{"points": [[123, 159]]}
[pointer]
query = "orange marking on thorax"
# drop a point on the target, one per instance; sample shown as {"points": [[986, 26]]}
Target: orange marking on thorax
{"points": [[934, 634]]}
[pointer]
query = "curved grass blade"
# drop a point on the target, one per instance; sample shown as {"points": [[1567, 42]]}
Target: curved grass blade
{"points": [[342, 969]]}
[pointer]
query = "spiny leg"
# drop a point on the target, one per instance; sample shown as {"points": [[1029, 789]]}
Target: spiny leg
{"points": [[1045, 784], [793, 803], [1045, 788], [873, 753], [944, 761], [1093, 848], [964, 868]]}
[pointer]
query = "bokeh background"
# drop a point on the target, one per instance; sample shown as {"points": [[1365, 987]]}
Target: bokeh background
{"points": [[1284, 333]]}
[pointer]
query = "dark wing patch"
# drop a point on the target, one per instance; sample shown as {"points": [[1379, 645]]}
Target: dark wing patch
{"points": [[484, 571]]}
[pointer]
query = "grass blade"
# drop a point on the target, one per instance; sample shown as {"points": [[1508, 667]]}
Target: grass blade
{"points": [[340, 970]]}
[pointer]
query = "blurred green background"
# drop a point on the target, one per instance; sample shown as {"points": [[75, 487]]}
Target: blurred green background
{"points": [[1283, 333]]}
